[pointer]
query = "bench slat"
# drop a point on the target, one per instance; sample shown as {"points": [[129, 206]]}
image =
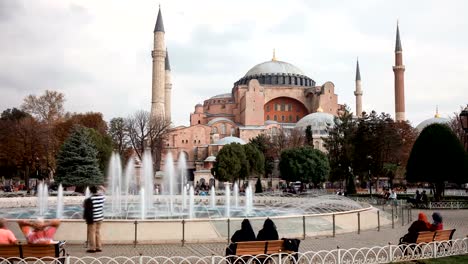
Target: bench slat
{"points": [[441, 235], [39, 250], [9, 251], [425, 237]]}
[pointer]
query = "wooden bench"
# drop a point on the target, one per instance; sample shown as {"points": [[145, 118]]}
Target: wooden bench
{"points": [[431, 236], [20, 251], [258, 249]]}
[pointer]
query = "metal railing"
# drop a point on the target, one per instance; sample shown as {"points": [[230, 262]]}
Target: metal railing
{"points": [[368, 255]]}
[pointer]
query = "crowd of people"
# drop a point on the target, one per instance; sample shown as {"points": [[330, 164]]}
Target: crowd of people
{"points": [[421, 225]]}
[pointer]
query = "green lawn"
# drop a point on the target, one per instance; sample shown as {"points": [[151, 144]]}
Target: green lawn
{"points": [[447, 260]]}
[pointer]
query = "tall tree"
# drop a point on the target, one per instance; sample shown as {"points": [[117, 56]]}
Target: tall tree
{"points": [[340, 147], [117, 132], [263, 143], [255, 159], [304, 164], [437, 156], [145, 131], [231, 163], [47, 107], [77, 162]]}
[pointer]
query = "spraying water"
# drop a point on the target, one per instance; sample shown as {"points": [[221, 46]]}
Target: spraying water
{"points": [[147, 178], [184, 197], [227, 201], [213, 197], [248, 200], [114, 179], [191, 203], [169, 177], [142, 203], [59, 213], [182, 170], [236, 195], [129, 184], [87, 193], [42, 198]]}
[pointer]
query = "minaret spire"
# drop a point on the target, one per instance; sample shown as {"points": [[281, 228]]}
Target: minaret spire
{"points": [[158, 54], [358, 91], [159, 22], [398, 41], [274, 55], [399, 71]]}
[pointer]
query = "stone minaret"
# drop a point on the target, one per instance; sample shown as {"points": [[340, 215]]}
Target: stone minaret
{"points": [[167, 89], [399, 71], [159, 55], [358, 92]]}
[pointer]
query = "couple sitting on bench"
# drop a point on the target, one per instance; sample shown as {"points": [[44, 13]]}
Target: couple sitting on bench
{"points": [[421, 225], [267, 233]]}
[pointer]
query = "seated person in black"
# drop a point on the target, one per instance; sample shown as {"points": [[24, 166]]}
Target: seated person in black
{"points": [[268, 231], [246, 233]]}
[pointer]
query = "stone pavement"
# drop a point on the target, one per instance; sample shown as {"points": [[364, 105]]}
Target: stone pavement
{"points": [[452, 219]]}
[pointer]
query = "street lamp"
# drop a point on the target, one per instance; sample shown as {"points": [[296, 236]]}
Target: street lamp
{"points": [[464, 123], [370, 177]]}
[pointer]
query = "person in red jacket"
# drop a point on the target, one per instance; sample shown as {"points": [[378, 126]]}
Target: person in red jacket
{"points": [[437, 224]]}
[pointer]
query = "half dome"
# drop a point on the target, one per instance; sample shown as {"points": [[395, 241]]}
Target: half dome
{"points": [[318, 121], [229, 140], [430, 121]]}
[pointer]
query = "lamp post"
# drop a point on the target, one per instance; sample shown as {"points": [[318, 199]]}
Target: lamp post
{"points": [[464, 123], [370, 177]]}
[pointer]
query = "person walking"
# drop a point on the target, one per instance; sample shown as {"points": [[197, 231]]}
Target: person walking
{"points": [[94, 214], [6, 236]]}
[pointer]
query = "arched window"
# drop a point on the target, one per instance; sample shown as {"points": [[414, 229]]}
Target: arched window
{"points": [[268, 117], [223, 129], [214, 130], [275, 118]]}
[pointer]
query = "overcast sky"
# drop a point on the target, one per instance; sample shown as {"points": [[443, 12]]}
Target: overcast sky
{"points": [[98, 53]]}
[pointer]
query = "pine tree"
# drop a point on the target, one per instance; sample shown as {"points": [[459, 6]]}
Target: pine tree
{"points": [[77, 162]]}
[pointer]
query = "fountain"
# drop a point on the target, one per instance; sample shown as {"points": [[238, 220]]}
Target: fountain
{"points": [[169, 177], [129, 184], [191, 203], [59, 213], [184, 197], [236, 195], [42, 198], [248, 200], [227, 201], [142, 203], [114, 180], [87, 192], [182, 170], [147, 179], [213, 197]]}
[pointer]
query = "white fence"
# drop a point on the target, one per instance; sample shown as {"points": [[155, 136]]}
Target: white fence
{"points": [[378, 254]]}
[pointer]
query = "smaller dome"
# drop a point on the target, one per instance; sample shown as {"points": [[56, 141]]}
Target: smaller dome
{"points": [[210, 159], [198, 105], [229, 140], [270, 122], [430, 121], [226, 95], [319, 122]]}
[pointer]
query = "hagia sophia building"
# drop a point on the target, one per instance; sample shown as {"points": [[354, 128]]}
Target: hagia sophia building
{"points": [[271, 96]]}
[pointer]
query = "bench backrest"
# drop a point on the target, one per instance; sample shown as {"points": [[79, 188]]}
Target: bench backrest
{"points": [[425, 237], [441, 235], [250, 248], [40, 250], [9, 251], [260, 247]]}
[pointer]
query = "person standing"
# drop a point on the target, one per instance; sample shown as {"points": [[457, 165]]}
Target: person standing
{"points": [[94, 219], [6, 236]]}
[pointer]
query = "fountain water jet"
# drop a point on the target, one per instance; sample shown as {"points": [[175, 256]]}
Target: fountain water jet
{"points": [[87, 192], [169, 177], [213, 197], [147, 179], [59, 213], [191, 203], [142, 203], [182, 170], [236, 195], [184, 197], [114, 179], [227, 201], [129, 184], [42, 198]]}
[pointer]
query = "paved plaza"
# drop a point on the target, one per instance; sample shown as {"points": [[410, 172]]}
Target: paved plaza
{"points": [[457, 219]]}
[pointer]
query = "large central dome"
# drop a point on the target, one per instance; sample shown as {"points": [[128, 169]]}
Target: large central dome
{"points": [[274, 67], [277, 74]]}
